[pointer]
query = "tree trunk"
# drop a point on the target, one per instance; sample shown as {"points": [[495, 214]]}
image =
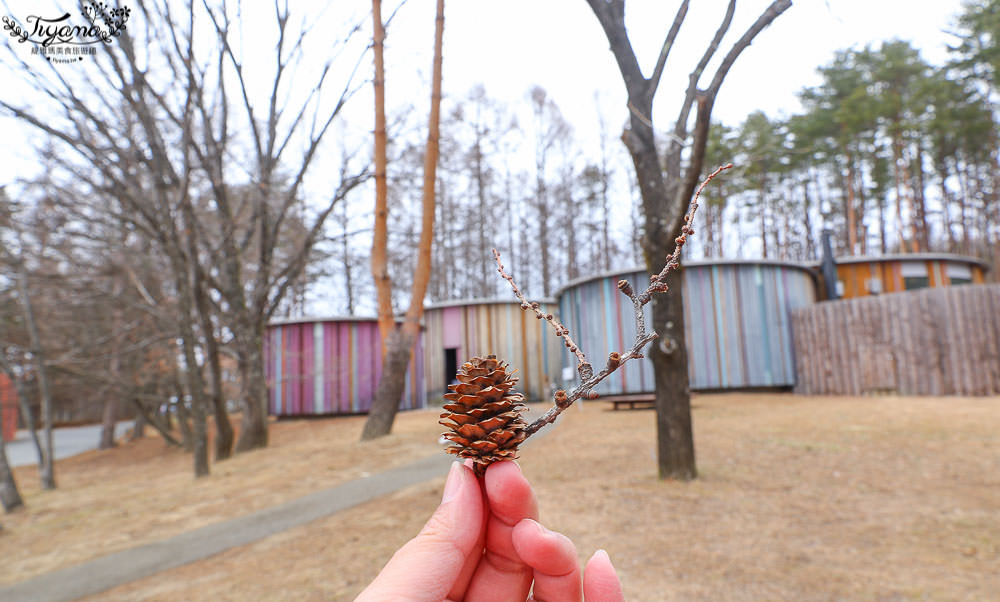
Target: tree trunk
{"points": [[919, 188], [138, 427], [200, 439], [144, 417], [253, 426], [22, 403], [108, 420], [675, 437], [399, 342], [380, 236], [183, 418], [10, 497], [390, 388], [46, 469], [852, 233]]}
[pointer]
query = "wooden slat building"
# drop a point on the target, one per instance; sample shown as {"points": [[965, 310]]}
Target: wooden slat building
{"points": [[941, 341], [737, 323], [331, 366], [456, 331], [872, 275]]}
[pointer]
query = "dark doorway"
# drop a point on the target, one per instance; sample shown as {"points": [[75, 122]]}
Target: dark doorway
{"points": [[450, 366]]}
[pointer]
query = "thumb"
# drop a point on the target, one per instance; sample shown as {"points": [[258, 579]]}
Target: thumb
{"points": [[428, 566]]}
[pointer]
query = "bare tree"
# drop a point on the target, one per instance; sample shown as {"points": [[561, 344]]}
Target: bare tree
{"points": [[14, 257], [398, 341], [666, 184], [195, 141]]}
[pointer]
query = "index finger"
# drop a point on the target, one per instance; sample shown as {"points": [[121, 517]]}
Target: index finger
{"points": [[501, 574]]}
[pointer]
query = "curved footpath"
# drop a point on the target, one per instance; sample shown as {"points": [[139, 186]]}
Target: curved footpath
{"points": [[128, 565]]}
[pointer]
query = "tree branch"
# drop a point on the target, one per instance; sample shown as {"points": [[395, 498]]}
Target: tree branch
{"points": [[589, 380]]}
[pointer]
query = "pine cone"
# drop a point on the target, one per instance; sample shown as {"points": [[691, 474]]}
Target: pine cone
{"points": [[484, 415]]}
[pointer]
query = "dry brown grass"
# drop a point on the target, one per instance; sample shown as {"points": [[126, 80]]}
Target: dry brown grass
{"points": [[144, 491], [798, 499]]}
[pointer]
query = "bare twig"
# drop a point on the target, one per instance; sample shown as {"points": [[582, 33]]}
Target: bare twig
{"points": [[657, 284], [561, 331]]}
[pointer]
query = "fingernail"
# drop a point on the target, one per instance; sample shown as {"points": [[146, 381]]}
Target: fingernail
{"points": [[537, 525], [454, 482], [603, 554]]}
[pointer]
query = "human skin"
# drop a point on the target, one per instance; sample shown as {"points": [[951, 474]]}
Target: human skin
{"points": [[484, 543]]}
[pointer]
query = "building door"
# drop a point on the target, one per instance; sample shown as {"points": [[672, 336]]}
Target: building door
{"points": [[450, 366]]}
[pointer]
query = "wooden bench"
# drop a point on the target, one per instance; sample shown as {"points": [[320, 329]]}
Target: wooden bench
{"points": [[647, 401]]}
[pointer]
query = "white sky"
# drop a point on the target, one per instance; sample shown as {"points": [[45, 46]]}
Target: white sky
{"points": [[511, 45]]}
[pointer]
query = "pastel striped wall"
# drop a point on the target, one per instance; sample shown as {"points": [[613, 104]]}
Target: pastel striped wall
{"points": [[500, 327], [331, 367], [737, 318]]}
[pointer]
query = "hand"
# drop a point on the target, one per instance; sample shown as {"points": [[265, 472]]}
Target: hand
{"points": [[482, 543]]}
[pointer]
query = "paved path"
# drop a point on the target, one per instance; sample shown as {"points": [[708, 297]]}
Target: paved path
{"points": [[128, 565], [66, 442]]}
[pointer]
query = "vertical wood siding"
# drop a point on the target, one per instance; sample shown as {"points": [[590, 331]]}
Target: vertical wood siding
{"points": [[500, 328], [857, 274], [943, 341], [331, 367], [737, 324]]}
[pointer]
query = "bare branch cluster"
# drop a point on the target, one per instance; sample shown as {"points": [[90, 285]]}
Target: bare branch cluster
{"points": [[657, 284]]}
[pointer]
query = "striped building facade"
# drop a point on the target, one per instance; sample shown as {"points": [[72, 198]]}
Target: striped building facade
{"points": [[737, 323], [457, 331], [331, 366]]}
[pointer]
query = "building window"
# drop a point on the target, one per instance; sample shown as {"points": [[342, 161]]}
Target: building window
{"points": [[959, 274], [914, 275]]}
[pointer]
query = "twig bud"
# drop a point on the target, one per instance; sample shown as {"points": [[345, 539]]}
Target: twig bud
{"points": [[614, 360], [593, 394], [560, 397], [625, 287]]}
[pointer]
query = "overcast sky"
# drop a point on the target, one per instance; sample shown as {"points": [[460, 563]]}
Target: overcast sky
{"points": [[514, 44], [511, 45]]}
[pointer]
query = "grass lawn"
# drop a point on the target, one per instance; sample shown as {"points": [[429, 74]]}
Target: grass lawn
{"points": [[799, 498]]}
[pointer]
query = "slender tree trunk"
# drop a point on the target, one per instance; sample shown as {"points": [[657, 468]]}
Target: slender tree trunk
{"points": [[223, 427], [110, 414], [144, 417], [810, 250], [138, 427], [482, 247], [183, 418], [920, 201], [22, 403], [10, 497], [380, 238], [852, 233], [399, 345], [108, 421], [762, 207], [46, 470]]}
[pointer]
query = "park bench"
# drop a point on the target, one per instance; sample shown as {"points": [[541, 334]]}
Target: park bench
{"points": [[646, 401]]}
